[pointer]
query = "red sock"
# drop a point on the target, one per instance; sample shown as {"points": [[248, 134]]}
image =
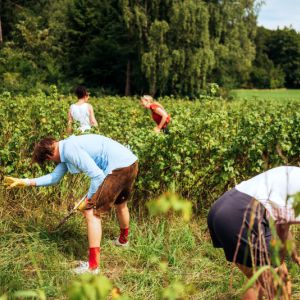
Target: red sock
{"points": [[94, 257], [124, 235]]}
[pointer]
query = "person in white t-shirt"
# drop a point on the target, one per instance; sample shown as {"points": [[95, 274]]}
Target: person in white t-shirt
{"points": [[238, 222], [81, 111]]}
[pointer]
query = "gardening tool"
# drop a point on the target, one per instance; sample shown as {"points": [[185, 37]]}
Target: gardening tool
{"points": [[71, 212]]}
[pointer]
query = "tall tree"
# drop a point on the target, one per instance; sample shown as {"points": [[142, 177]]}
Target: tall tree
{"points": [[30, 56], [173, 41], [192, 57], [97, 43], [284, 50], [156, 61], [232, 32], [264, 73], [1, 36]]}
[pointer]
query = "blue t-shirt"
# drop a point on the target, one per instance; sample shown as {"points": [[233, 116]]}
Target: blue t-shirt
{"points": [[93, 154]]}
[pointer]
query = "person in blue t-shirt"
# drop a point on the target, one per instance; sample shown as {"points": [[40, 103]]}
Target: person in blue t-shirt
{"points": [[112, 169]]}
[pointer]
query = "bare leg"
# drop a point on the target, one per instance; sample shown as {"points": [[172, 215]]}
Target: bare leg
{"points": [[265, 283], [253, 293], [284, 274], [94, 229], [123, 215]]}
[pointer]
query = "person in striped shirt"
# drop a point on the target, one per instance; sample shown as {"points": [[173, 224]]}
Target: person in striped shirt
{"points": [[239, 222]]}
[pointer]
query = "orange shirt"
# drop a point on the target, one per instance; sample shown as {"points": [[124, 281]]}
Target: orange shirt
{"points": [[156, 117]]}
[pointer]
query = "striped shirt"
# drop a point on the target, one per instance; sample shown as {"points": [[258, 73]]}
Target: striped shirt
{"points": [[275, 190]]}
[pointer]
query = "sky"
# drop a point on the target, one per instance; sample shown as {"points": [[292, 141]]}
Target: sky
{"points": [[280, 13]]}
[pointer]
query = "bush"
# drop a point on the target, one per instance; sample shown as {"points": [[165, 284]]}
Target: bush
{"points": [[212, 145]]}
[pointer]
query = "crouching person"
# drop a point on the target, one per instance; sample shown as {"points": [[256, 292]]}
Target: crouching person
{"points": [[239, 223], [112, 169]]}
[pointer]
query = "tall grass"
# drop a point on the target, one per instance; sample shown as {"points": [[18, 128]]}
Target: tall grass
{"points": [[163, 251]]}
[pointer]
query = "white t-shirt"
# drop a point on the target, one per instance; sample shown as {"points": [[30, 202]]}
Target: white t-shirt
{"points": [[275, 189], [81, 114]]}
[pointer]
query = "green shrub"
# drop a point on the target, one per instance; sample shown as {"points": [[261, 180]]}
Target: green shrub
{"points": [[212, 145]]}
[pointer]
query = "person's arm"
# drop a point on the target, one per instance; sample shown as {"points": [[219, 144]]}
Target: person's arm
{"points": [[46, 180], [93, 120], [282, 232], [52, 178], [294, 253], [70, 121], [163, 115], [285, 235], [81, 160]]}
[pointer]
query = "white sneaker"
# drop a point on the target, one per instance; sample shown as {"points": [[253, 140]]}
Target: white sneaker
{"points": [[117, 243], [83, 268]]}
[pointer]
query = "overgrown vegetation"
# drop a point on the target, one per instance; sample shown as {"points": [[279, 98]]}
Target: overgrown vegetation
{"points": [[164, 251], [212, 145], [168, 258]]}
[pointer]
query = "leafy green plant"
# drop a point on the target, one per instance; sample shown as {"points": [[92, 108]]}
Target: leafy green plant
{"points": [[36, 294], [170, 202], [90, 287], [221, 144]]}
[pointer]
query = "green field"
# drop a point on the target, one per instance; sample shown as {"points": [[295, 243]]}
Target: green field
{"points": [[222, 143], [277, 94]]}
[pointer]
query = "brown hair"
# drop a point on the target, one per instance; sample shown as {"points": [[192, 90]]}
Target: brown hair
{"points": [[43, 149], [81, 92]]}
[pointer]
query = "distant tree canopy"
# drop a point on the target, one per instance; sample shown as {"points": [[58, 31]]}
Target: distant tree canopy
{"points": [[129, 46], [277, 61]]}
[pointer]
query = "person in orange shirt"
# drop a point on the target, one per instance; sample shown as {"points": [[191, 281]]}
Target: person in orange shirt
{"points": [[159, 114]]}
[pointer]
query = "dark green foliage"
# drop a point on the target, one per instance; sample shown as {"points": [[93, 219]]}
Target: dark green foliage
{"points": [[159, 47], [284, 51], [277, 61], [232, 29], [96, 43], [31, 58]]}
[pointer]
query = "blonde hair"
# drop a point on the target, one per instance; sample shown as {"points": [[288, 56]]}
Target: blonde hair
{"points": [[151, 100], [148, 98]]}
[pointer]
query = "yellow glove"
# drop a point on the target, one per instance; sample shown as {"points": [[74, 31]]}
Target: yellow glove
{"points": [[12, 182], [82, 205]]}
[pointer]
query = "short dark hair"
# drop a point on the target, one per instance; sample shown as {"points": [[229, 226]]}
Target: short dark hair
{"points": [[81, 92], [43, 149]]}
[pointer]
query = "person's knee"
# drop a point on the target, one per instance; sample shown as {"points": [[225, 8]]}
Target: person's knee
{"points": [[121, 207], [250, 294], [248, 272], [90, 216]]}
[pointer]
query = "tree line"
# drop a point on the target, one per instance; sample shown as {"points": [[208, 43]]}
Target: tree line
{"points": [[137, 46]]}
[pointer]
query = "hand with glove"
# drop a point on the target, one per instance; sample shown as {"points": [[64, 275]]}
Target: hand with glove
{"points": [[81, 205], [12, 182]]}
